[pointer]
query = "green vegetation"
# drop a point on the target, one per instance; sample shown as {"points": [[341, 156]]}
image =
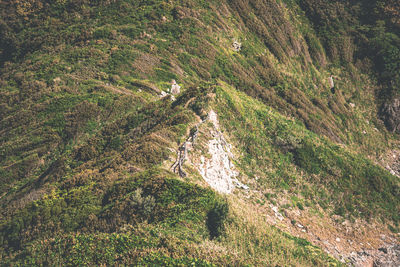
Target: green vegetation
{"points": [[85, 137], [274, 147], [375, 30]]}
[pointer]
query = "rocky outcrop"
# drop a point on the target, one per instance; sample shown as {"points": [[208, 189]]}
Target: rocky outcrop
{"points": [[236, 46], [385, 256], [390, 114], [175, 88], [216, 167], [219, 171]]}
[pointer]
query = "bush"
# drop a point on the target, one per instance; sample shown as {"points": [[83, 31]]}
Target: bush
{"points": [[143, 204], [216, 219]]}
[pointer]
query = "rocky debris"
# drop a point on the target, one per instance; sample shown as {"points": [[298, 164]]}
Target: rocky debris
{"points": [[218, 171], [393, 164], [276, 212], [163, 94], [302, 228], [236, 46], [183, 149], [212, 116], [240, 185], [177, 166], [386, 256], [175, 88], [384, 250], [390, 114], [360, 259]]}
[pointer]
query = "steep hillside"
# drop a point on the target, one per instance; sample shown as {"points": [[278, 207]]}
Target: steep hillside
{"points": [[258, 161]]}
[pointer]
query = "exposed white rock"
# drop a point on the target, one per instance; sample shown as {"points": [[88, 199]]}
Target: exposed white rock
{"points": [[331, 83], [212, 117], [219, 171], [240, 185], [277, 213], [236, 46], [175, 88], [164, 94]]}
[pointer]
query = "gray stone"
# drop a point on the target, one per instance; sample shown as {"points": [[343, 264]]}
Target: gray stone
{"points": [[236, 46], [175, 88]]}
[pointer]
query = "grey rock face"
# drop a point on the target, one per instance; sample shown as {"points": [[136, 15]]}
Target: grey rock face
{"points": [[390, 114]]}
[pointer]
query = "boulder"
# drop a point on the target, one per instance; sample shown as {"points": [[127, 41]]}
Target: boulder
{"points": [[236, 46], [175, 88]]}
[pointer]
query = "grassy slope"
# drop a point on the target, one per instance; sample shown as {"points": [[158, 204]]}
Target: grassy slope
{"points": [[78, 137], [284, 155]]}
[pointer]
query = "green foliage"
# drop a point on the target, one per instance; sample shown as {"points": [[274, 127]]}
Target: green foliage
{"points": [[216, 218], [368, 189], [61, 210], [103, 248], [159, 259], [386, 48], [347, 181], [84, 135], [145, 197]]}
